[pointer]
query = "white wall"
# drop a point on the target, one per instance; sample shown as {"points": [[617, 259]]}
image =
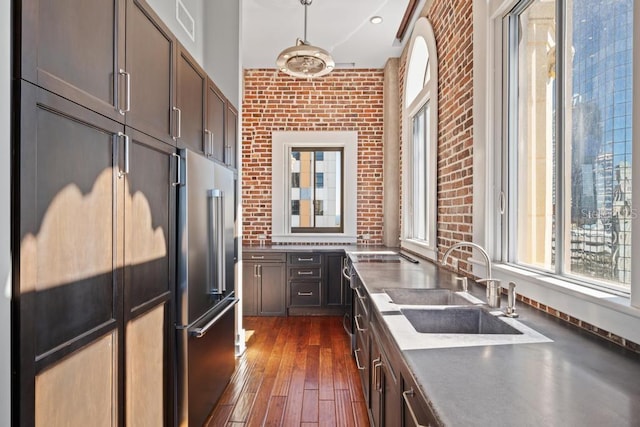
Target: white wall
{"points": [[5, 226], [166, 10], [217, 38], [222, 46]]}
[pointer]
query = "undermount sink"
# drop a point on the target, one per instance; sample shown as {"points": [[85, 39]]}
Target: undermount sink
{"points": [[421, 296], [457, 320]]}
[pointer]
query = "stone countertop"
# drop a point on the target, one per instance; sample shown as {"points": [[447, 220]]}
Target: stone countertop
{"points": [[313, 248], [577, 379]]}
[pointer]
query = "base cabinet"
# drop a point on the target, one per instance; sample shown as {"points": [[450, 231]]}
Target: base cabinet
{"points": [[392, 396], [264, 284]]}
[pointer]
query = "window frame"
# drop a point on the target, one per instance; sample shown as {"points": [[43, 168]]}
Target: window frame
{"points": [[428, 95], [282, 142], [618, 314], [316, 229]]}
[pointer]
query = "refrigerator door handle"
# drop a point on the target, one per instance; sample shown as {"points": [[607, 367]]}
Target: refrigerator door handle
{"points": [[200, 332], [216, 241]]}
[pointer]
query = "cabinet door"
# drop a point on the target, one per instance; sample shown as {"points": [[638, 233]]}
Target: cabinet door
{"points": [[149, 201], [272, 297], [231, 138], [336, 293], [68, 295], [249, 289], [415, 411], [75, 49], [150, 54], [191, 92], [216, 121]]}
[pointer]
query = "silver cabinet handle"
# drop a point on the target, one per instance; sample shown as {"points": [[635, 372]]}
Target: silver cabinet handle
{"points": [[305, 259], [126, 138], [359, 294], [127, 103], [200, 332], [178, 123], [355, 354], [305, 273], [405, 396], [345, 319], [255, 270], [344, 273], [257, 257], [206, 143], [358, 327], [259, 270], [375, 364], [179, 172], [305, 294]]}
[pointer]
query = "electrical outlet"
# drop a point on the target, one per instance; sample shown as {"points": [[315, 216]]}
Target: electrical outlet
{"points": [[454, 263], [366, 236]]}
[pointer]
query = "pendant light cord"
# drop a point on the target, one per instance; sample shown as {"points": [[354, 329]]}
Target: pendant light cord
{"points": [[306, 4]]}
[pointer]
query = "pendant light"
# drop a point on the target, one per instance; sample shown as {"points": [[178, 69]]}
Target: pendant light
{"points": [[305, 60]]}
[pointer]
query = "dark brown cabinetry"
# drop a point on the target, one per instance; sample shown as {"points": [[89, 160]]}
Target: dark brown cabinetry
{"points": [[264, 278], [415, 411], [315, 284], [114, 57], [215, 130], [231, 136], [74, 49], [391, 394], [384, 403], [94, 256], [149, 74], [191, 94]]}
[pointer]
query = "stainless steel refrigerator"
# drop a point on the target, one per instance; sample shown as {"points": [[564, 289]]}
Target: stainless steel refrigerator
{"points": [[205, 297]]}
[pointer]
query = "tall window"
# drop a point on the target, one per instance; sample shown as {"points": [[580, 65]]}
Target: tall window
{"points": [[569, 139], [316, 190], [420, 148]]}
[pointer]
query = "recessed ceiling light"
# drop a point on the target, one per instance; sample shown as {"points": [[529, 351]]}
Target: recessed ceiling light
{"points": [[376, 19]]}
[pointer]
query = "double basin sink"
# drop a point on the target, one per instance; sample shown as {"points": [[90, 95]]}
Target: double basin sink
{"points": [[458, 315], [438, 318]]}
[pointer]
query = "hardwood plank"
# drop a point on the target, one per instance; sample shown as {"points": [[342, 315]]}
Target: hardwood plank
{"points": [[308, 424], [261, 404], [325, 384], [360, 414], [310, 406], [327, 413], [344, 409], [313, 367], [242, 409], [293, 410], [296, 371], [275, 411], [220, 416]]}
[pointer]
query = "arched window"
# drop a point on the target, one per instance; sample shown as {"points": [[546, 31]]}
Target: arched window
{"points": [[420, 119]]}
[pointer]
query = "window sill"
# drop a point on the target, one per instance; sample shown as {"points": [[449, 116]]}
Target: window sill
{"points": [[314, 238], [604, 310], [419, 248]]}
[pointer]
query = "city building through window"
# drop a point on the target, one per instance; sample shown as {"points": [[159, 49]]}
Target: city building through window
{"points": [[569, 142]]}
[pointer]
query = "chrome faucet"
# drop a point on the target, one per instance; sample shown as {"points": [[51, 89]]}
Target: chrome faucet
{"points": [[493, 285]]}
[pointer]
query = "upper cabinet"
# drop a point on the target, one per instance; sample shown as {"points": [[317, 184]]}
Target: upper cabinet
{"points": [[191, 92], [216, 106], [231, 136], [113, 56], [146, 81], [74, 49]]}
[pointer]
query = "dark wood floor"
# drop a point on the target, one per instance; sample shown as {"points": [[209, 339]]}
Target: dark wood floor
{"points": [[297, 371]]}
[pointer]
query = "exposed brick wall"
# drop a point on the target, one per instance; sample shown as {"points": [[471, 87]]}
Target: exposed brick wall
{"points": [[344, 100], [452, 24]]}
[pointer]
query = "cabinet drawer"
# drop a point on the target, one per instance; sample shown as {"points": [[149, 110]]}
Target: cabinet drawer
{"points": [[301, 273], [305, 259], [305, 294], [264, 256]]}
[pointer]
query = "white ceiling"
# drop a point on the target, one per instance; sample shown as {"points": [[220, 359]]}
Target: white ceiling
{"points": [[340, 26]]}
